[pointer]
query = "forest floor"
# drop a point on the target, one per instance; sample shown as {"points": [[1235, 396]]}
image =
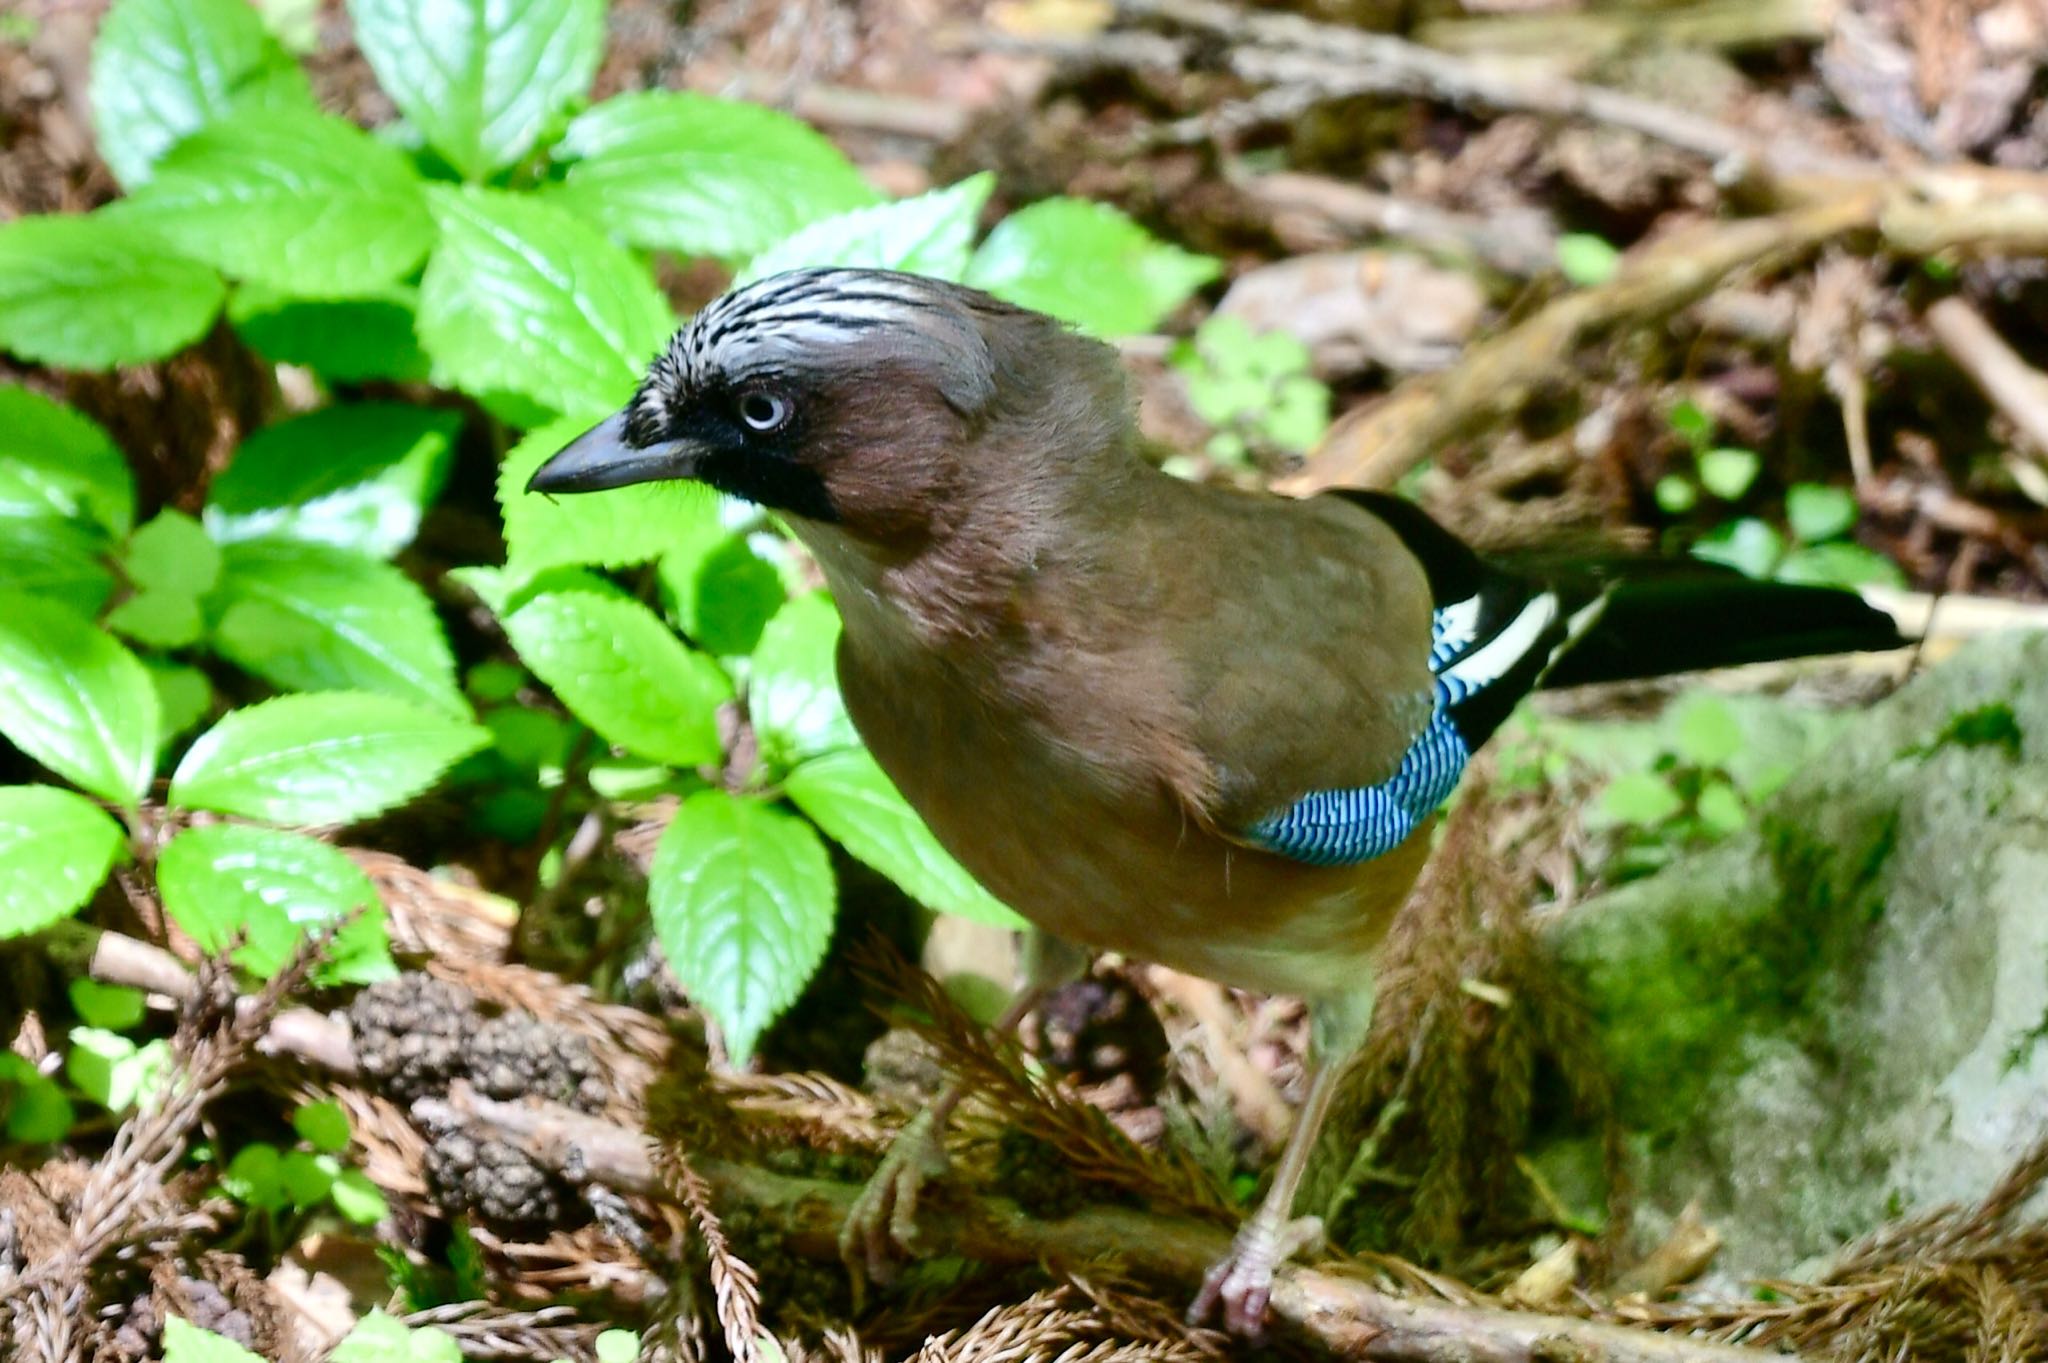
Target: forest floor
{"points": [[1764, 275]]}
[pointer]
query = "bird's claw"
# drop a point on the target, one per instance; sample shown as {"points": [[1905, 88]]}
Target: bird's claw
{"points": [[883, 1218], [1242, 1280]]}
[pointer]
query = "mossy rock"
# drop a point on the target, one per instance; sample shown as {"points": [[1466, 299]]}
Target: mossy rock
{"points": [[1839, 1015]]}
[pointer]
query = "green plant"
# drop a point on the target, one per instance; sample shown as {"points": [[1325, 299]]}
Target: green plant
{"points": [[376, 1338], [1254, 389], [497, 245], [1815, 548], [306, 1179]]}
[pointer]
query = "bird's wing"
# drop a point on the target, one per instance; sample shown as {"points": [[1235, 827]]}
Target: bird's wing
{"points": [[1393, 707]]}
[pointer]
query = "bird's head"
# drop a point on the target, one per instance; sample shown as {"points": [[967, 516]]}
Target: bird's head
{"points": [[857, 399]]}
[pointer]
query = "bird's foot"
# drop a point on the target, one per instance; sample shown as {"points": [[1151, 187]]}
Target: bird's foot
{"points": [[883, 1219], [1242, 1280]]}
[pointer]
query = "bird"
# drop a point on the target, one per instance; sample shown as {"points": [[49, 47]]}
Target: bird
{"points": [[1201, 726]]}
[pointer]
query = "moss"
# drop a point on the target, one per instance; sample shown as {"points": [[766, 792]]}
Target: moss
{"points": [[1992, 725]]}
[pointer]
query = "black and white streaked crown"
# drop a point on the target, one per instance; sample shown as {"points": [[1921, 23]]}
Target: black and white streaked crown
{"points": [[818, 319]]}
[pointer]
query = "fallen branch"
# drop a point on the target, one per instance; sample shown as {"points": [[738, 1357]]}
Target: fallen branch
{"points": [[2015, 387], [1374, 446], [1347, 1315]]}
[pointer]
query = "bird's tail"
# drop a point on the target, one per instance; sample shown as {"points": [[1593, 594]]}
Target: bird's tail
{"points": [[1690, 616]]}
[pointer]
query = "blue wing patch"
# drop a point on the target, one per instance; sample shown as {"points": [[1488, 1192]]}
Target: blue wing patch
{"points": [[1344, 827]]}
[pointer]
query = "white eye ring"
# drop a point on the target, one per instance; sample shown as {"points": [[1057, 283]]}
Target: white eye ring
{"points": [[763, 411]]}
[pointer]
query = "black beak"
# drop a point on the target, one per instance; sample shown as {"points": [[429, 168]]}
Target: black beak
{"points": [[601, 458]]}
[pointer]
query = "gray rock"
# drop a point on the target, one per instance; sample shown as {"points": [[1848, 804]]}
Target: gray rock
{"points": [[1842, 1014]]}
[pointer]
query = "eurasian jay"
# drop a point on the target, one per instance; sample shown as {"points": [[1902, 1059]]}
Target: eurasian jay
{"points": [[1194, 725]]}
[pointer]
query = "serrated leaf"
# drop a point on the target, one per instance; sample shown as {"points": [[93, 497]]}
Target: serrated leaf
{"points": [[520, 297], [158, 619], [221, 880], [849, 796], [291, 198], [624, 526], [92, 292], [55, 461], [55, 849], [76, 701], [743, 901], [185, 1342], [480, 79], [184, 695], [793, 690], [343, 340], [1085, 263], [61, 560], [309, 617], [174, 554], [929, 235], [328, 758], [357, 476], [685, 172], [322, 1125], [164, 69], [620, 670], [722, 596], [1817, 512]]}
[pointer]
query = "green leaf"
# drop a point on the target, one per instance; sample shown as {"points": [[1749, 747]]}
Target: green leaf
{"points": [[521, 297], [793, 690], [1641, 798], [55, 849], [255, 1177], [183, 694], [849, 796], [1729, 472], [61, 560], [54, 461], [743, 902], [308, 617], [173, 554], [322, 1125], [1721, 809], [1840, 563], [620, 670], [33, 1109], [114, 1071], [481, 79], [1677, 494], [223, 879], [1088, 264], [703, 176], [618, 1346], [1691, 421], [358, 476], [185, 1342], [1818, 512], [1747, 545], [329, 758], [112, 1006], [377, 1338], [93, 292], [1586, 259], [358, 1199], [1707, 731], [291, 198], [623, 526], [928, 235], [163, 69], [722, 596], [345, 340], [76, 701], [307, 1178]]}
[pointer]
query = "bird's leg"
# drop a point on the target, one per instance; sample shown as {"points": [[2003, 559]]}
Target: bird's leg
{"points": [[1241, 1282], [884, 1217]]}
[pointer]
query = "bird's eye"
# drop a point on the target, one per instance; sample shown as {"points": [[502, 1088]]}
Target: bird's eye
{"points": [[764, 411]]}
